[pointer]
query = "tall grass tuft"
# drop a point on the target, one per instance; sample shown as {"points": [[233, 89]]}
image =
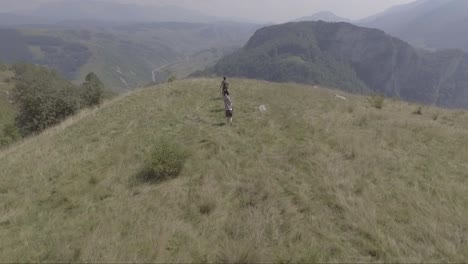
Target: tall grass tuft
{"points": [[418, 111], [165, 162], [172, 79], [377, 101]]}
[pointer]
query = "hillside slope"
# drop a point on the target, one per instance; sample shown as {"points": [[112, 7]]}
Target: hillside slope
{"points": [[352, 58], [313, 179]]}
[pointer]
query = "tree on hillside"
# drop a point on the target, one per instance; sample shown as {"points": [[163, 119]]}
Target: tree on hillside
{"points": [[92, 90], [44, 99]]}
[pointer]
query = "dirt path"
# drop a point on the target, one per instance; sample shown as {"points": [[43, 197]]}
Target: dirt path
{"points": [[184, 60], [158, 69]]}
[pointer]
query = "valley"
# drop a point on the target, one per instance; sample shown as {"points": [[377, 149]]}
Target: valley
{"points": [[123, 56]]}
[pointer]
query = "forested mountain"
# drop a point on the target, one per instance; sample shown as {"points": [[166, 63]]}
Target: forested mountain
{"points": [[433, 24], [55, 52], [351, 58]]}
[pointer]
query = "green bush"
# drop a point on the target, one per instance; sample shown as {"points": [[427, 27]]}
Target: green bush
{"points": [[165, 162], [8, 135], [92, 91], [418, 111], [4, 141], [172, 79], [11, 131], [45, 99], [376, 101]]}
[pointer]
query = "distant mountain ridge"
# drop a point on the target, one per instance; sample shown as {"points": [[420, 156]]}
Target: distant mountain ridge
{"points": [[432, 24], [11, 19], [326, 16], [104, 11], [351, 58]]}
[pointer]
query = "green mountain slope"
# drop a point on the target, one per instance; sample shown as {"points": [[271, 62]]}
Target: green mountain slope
{"points": [[352, 58], [36, 46], [313, 179]]}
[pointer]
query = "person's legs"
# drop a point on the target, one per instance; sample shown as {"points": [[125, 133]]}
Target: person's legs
{"points": [[229, 117]]}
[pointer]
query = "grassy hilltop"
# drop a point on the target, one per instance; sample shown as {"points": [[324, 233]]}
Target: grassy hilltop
{"points": [[313, 179]]}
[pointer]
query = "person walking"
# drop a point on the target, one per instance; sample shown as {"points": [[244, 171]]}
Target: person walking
{"points": [[228, 107], [224, 86]]}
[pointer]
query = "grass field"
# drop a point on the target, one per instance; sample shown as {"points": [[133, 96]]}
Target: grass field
{"points": [[313, 179]]}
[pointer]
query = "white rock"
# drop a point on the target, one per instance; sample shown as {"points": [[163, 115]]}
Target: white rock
{"points": [[340, 97], [262, 108]]}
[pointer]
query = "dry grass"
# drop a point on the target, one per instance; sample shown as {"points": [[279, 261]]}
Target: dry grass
{"points": [[314, 179]]}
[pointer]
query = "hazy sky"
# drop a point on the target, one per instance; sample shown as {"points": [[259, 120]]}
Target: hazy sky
{"points": [[263, 10]]}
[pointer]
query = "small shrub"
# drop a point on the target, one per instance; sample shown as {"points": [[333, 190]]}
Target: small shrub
{"points": [[11, 131], [206, 207], [418, 111], [172, 79], [4, 141], [435, 116], [165, 162], [377, 101], [93, 180], [92, 91], [7, 80], [361, 121], [8, 135]]}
